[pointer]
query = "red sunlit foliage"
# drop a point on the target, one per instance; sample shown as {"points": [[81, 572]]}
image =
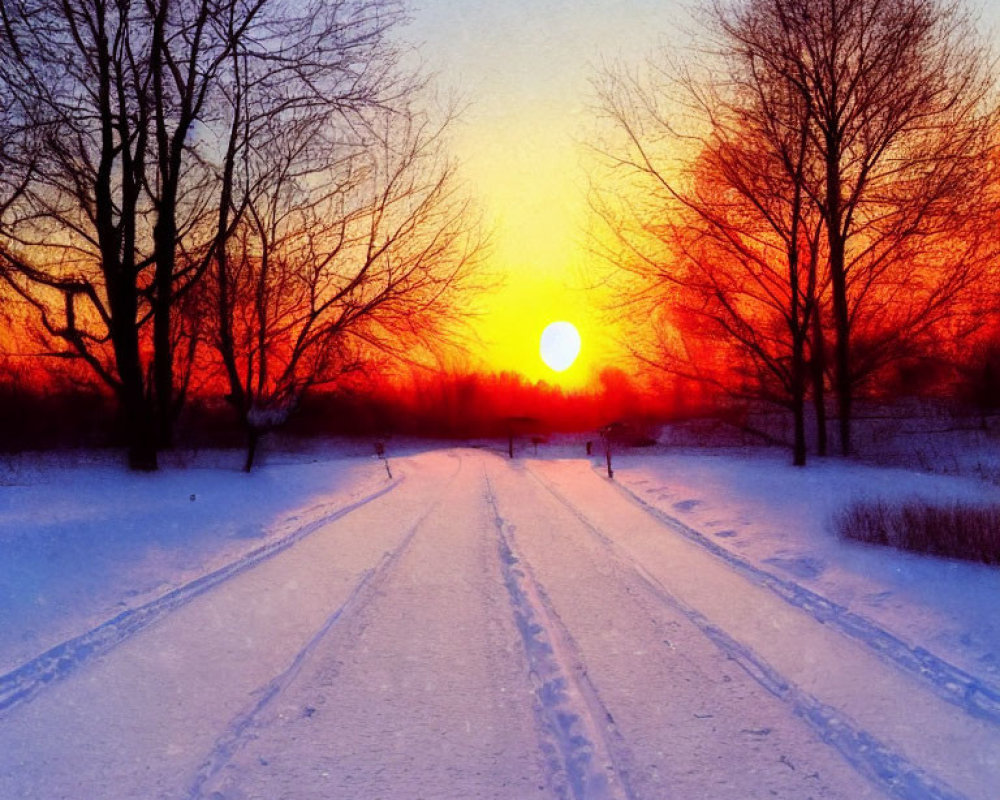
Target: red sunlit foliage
{"points": [[486, 405], [48, 410], [810, 212]]}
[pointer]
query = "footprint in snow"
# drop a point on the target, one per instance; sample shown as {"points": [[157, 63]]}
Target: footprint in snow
{"points": [[799, 567], [878, 599], [686, 505], [726, 534]]}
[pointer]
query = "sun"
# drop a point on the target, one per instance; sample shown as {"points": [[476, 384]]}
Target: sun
{"points": [[560, 345]]}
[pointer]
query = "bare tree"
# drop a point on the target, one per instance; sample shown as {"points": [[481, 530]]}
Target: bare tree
{"points": [[316, 55], [735, 243], [124, 100], [189, 44], [71, 74], [863, 126], [899, 98], [17, 165], [352, 241]]}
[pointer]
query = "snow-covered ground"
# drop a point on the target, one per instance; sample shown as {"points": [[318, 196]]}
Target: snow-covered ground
{"points": [[780, 518], [83, 539], [476, 627]]}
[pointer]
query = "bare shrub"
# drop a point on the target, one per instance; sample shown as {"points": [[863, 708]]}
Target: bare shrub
{"points": [[959, 530]]}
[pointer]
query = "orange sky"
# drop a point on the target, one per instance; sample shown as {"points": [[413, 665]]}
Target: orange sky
{"points": [[525, 69]]}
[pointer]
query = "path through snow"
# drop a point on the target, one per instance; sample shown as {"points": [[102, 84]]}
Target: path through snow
{"points": [[493, 629]]}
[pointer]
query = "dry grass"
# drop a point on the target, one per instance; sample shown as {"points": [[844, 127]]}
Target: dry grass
{"points": [[960, 530]]}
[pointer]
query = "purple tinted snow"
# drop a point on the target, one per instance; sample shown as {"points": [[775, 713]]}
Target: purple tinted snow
{"points": [[30, 678], [799, 567], [564, 718], [951, 683], [866, 754], [230, 742]]}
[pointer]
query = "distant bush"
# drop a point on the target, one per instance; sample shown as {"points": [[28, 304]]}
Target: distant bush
{"points": [[966, 531]]}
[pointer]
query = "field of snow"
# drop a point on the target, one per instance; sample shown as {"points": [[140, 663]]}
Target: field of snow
{"points": [[476, 627], [83, 539], [779, 518]]}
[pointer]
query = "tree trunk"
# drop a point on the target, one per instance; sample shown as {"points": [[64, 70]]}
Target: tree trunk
{"points": [[135, 408], [116, 237], [799, 446], [818, 365], [163, 356], [838, 282], [799, 399], [842, 359], [133, 400], [164, 233], [141, 438], [224, 307], [253, 438]]}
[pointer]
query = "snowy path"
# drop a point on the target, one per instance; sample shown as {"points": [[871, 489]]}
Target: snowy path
{"points": [[976, 695], [892, 726], [493, 629], [687, 721]]}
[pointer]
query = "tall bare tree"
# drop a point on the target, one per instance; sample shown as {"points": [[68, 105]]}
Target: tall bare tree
{"points": [[72, 78], [352, 242], [735, 240], [903, 125], [331, 55], [124, 99], [879, 114]]}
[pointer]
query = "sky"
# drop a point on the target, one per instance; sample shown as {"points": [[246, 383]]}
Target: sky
{"points": [[524, 67], [524, 70]]}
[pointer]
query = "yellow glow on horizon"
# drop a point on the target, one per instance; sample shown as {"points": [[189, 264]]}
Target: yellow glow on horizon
{"points": [[525, 69], [527, 174]]}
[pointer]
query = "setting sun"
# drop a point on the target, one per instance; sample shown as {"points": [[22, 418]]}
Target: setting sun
{"points": [[559, 345]]}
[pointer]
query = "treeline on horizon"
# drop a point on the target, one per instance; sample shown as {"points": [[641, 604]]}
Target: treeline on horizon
{"points": [[53, 413], [58, 413]]}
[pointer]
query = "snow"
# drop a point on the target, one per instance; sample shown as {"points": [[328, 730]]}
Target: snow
{"points": [[780, 518], [84, 539], [481, 627], [872, 696]]}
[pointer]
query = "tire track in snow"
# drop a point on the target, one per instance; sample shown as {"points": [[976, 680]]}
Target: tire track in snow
{"points": [[973, 695], [583, 734], [875, 760], [869, 756], [241, 729], [26, 681]]}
